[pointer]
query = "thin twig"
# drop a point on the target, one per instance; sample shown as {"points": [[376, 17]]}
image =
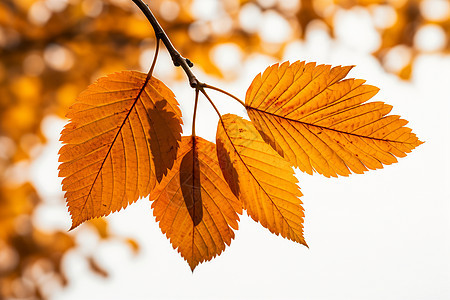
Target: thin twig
{"points": [[177, 59]]}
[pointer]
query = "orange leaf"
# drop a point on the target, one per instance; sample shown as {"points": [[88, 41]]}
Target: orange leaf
{"points": [[193, 204], [318, 121], [122, 136], [260, 177]]}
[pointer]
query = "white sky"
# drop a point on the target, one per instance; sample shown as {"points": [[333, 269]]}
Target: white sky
{"points": [[381, 235]]}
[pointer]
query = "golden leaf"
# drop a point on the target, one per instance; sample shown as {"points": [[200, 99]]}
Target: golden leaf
{"points": [[260, 177], [122, 136], [318, 121], [193, 204]]}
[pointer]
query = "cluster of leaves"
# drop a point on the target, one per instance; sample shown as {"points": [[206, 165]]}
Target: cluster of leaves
{"points": [[42, 41], [124, 142]]}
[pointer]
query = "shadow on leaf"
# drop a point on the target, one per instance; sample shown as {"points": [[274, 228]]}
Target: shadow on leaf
{"points": [[165, 133], [258, 125], [190, 185], [228, 169]]}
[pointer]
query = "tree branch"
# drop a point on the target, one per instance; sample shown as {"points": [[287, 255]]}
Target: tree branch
{"points": [[160, 34]]}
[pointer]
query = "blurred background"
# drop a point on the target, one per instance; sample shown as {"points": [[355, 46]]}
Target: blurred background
{"points": [[383, 235]]}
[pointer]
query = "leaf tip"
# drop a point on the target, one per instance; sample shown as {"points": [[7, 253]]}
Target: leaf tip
{"points": [[192, 266], [74, 225], [304, 244]]}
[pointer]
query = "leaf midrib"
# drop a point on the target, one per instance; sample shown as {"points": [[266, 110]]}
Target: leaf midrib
{"points": [[147, 79], [257, 181], [327, 128]]}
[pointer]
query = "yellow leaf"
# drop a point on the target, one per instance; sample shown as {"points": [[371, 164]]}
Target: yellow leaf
{"points": [[123, 130], [193, 204], [260, 177], [318, 121]]}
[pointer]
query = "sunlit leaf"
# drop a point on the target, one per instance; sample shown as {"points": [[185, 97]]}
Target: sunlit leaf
{"points": [[122, 136], [193, 204], [318, 121], [260, 177]]}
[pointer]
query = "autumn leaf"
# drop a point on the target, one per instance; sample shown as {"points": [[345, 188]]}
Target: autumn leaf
{"points": [[193, 204], [318, 121], [122, 137], [260, 177]]}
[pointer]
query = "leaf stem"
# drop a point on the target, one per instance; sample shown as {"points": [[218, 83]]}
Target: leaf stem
{"points": [[177, 59], [195, 111], [155, 57], [223, 92], [212, 103]]}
